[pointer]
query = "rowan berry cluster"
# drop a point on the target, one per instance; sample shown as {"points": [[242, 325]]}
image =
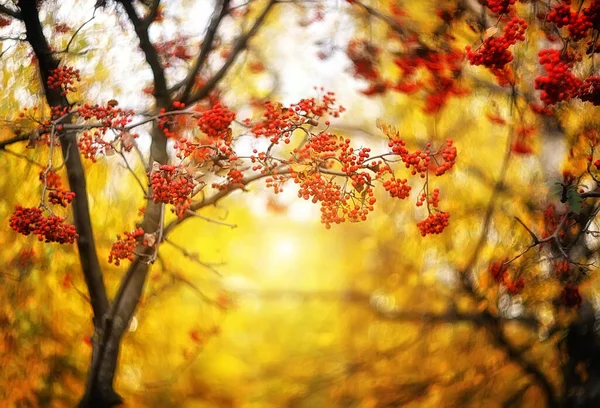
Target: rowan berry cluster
{"points": [[63, 78], [125, 246], [434, 223], [49, 229], [396, 187], [337, 206], [279, 122], [590, 90], [235, 178], [559, 83], [494, 53], [433, 199], [499, 272], [448, 154], [56, 195], [442, 68], [172, 185], [51, 179], [578, 23], [215, 122], [60, 196], [501, 6], [91, 143], [111, 116], [419, 161]]}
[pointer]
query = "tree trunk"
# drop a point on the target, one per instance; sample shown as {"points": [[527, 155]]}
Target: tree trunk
{"points": [[99, 391], [581, 368]]}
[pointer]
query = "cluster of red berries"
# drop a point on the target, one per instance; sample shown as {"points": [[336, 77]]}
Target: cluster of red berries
{"points": [[172, 185], [559, 83], [311, 108], [501, 6], [590, 90], [335, 203], [51, 179], [321, 146], [420, 162], [578, 23], [235, 178], [442, 68], [499, 272], [57, 195], [60, 196], [433, 199], [215, 122], [110, 115], [440, 92], [494, 53], [448, 153], [90, 143], [279, 122], [125, 246], [396, 187], [49, 229], [276, 181], [434, 224], [63, 78]]}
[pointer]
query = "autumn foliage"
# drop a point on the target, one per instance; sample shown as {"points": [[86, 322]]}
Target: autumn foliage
{"points": [[466, 90]]}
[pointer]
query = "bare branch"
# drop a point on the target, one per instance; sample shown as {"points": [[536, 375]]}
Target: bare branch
{"points": [[153, 12], [10, 12], [240, 45], [221, 10], [15, 139], [193, 257], [212, 220], [158, 73]]}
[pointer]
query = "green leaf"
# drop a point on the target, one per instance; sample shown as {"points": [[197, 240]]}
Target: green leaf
{"points": [[574, 200]]}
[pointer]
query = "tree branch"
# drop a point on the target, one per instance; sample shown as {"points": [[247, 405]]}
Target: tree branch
{"points": [[221, 10], [158, 73], [153, 12], [240, 45], [15, 139], [10, 12]]}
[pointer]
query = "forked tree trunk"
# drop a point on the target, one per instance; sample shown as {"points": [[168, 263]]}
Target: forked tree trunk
{"points": [[99, 391]]}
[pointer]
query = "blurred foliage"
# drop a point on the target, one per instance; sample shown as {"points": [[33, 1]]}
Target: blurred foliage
{"points": [[278, 311]]}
